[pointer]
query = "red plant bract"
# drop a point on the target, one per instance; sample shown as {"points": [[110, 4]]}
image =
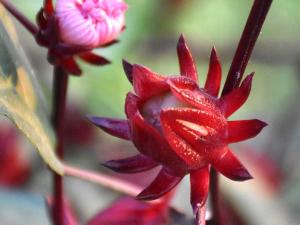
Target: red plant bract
{"points": [[182, 127]]}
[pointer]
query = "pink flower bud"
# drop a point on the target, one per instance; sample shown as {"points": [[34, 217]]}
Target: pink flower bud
{"points": [[74, 28], [90, 23]]}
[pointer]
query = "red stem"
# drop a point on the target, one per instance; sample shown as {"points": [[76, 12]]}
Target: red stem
{"points": [[60, 85], [200, 215], [240, 60], [217, 218], [245, 47], [31, 27]]}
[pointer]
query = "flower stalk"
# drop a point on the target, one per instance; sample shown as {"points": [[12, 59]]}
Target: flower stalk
{"points": [[239, 63], [108, 181], [200, 216], [217, 218], [60, 85], [246, 44]]}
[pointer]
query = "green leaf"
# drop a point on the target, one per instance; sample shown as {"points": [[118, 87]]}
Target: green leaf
{"points": [[18, 95]]}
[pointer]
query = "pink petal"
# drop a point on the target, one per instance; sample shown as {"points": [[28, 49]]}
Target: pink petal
{"points": [[162, 184], [199, 187], [147, 83], [134, 164], [236, 98], [116, 127], [187, 91], [230, 166], [244, 129], [152, 144], [186, 61], [131, 104], [128, 211], [214, 76], [128, 70], [93, 58]]}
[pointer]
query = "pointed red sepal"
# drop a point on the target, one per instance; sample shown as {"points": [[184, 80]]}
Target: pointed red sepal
{"points": [[199, 180], [128, 70], [186, 61], [93, 59], [187, 91], [214, 76], [196, 129], [150, 142], [236, 98], [244, 129], [134, 164], [41, 20], [162, 184], [109, 43], [228, 164], [147, 83], [48, 7], [116, 127], [71, 66], [183, 132], [131, 104]]}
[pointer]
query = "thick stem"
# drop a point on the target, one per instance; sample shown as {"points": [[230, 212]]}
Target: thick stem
{"points": [[31, 27], [241, 58], [245, 47], [217, 218], [60, 85]]}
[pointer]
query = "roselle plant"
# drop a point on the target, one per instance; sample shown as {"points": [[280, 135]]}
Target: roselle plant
{"points": [[173, 122], [182, 127]]}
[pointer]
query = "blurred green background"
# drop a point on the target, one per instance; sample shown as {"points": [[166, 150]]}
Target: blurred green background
{"points": [[152, 30]]}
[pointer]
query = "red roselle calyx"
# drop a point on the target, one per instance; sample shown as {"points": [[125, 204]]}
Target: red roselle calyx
{"points": [[74, 28], [183, 128]]}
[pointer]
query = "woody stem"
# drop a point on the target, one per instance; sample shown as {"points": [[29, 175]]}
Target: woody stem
{"points": [[60, 85]]}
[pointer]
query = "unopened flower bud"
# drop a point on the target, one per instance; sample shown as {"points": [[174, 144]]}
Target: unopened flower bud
{"points": [[181, 127], [74, 28], [90, 23]]}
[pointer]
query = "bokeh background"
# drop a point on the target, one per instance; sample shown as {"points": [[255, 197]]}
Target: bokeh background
{"points": [[152, 30]]}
